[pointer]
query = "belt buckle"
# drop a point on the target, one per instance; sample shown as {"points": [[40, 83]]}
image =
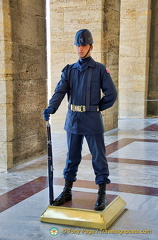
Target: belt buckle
{"points": [[78, 108]]}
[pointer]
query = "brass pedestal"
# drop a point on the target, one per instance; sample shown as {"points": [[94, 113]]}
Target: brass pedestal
{"points": [[78, 212]]}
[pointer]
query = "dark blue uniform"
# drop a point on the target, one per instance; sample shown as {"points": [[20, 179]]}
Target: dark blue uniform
{"points": [[89, 123]]}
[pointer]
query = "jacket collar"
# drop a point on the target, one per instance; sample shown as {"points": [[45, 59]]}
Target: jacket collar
{"points": [[91, 63]]}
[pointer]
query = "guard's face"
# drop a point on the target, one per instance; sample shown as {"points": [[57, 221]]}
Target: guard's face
{"points": [[82, 50]]}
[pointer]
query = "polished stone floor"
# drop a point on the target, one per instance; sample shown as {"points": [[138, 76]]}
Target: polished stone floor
{"points": [[132, 153]]}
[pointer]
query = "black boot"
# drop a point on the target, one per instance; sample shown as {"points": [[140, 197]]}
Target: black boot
{"points": [[101, 200], [65, 196]]}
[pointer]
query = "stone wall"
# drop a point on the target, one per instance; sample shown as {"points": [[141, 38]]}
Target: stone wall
{"points": [[102, 19], [134, 58], [153, 69], [23, 80]]}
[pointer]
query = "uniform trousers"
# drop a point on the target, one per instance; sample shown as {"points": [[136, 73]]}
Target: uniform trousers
{"points": [[97, 148]]}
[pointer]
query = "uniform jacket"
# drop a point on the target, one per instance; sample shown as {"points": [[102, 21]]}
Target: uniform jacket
{"points": [[74, 83]]}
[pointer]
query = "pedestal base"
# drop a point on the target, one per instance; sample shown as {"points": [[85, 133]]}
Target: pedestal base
{"points": [[76, 213]]}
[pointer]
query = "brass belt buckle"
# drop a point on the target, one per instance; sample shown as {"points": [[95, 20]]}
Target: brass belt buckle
{"points": [[78, 108]]}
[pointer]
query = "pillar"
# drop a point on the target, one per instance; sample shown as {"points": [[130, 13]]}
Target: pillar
{"points": [[134, 58], [23, 81]]}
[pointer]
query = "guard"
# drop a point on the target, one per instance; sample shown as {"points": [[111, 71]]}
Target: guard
{"points": [[83, 82]]}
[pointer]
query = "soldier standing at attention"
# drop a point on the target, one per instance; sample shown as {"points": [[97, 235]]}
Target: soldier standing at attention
{"points": [[83, 82]]}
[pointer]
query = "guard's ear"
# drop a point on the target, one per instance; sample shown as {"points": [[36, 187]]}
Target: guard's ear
{"points": [[91, 47]]}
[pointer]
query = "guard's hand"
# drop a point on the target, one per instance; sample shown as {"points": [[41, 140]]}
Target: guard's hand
{"points": [[47, 112]]}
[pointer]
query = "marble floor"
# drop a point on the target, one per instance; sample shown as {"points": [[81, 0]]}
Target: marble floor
{"points": [[132, 153]]}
